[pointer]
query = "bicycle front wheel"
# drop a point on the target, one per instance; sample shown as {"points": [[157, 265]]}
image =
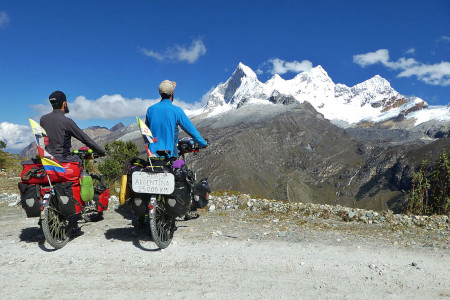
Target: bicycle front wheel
{"points": [[57, 227]]}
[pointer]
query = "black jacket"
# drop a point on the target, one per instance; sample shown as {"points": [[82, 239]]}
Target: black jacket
{"points": [[60, 130]]}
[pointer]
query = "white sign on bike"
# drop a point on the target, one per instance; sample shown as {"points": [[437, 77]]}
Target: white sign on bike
{"points": [[153, 183]]}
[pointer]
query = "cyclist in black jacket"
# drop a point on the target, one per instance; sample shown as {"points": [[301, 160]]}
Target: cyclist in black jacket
{"points": [[61, 129]]}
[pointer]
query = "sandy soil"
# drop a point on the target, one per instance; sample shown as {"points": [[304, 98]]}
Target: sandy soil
{"points": [[221, 255]]}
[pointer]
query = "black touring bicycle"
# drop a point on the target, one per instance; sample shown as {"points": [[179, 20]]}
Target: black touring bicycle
{"points": [[162, 189]]}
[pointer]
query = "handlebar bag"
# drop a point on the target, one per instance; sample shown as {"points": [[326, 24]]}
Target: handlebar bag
{"points": [[33, 172], [30, 198]]}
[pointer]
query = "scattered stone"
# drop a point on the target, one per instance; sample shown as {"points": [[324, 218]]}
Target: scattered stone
{"points": [[282, 234], [242, 201]]}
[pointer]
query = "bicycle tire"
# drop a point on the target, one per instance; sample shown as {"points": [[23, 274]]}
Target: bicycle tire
{"points": [[162, 227], [56, 227]]}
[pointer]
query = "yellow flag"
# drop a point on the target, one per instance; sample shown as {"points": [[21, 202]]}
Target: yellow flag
{"points": [[147, 136], [40, 135]]}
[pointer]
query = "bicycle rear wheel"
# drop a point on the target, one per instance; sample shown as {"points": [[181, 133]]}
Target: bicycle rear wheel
{"points": [[162, 227], [57, 228]]}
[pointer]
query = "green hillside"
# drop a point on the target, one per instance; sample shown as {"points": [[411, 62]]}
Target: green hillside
{"points": [[10, 169]]}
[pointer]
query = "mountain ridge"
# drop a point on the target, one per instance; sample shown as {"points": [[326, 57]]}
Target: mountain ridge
{"points": [[373, 100]]}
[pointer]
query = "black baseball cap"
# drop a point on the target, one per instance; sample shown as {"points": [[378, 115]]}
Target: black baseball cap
{"points": [[57, 98]]}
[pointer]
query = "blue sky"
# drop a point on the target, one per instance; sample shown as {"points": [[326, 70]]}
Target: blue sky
{"points": [[109, 56]]}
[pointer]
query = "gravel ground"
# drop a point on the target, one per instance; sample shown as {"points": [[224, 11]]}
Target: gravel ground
{"points": [[226, 254]]}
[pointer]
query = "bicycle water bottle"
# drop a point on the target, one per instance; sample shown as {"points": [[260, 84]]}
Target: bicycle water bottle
{"points": [[87, 186]]}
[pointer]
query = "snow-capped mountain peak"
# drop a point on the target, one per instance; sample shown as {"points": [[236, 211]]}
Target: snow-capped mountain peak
{"points": [[370, 100], [244, 71]]}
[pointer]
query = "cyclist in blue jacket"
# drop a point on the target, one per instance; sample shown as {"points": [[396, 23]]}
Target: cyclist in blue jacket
{"points": [[163, 119]]}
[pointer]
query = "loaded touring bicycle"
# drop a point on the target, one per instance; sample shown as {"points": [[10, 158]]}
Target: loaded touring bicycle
{"points": [[161, 189], [60, 192]]}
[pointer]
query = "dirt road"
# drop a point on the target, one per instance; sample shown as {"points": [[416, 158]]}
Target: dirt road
{"points": [[221, 255]]}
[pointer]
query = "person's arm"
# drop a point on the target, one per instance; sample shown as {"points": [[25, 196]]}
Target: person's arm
{"points": [[190, 129], [84, 138]]}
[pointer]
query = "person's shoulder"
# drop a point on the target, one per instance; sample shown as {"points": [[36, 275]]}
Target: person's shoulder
{"points": [[179, 111], [69, 120], [177, 108], [45, 116]]}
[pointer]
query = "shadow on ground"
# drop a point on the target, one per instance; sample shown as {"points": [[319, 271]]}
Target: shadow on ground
{"points": [[36, 235], [32, 235]]}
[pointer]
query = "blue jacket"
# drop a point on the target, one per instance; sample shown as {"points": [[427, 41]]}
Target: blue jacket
{"points": [[163, 119]]}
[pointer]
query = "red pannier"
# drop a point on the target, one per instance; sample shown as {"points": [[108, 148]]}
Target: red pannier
{"points": [[102, 199], [33, 172]]}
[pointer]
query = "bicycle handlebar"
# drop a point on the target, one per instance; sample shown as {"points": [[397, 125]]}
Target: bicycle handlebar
{"points": [[85, 153], [187, 145]]}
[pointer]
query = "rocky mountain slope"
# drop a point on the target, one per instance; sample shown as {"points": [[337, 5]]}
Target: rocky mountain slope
{"points": [[292, 152]]}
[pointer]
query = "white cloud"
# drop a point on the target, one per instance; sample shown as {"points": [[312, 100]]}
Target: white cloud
{"points": [[370, 58], [153, 54], [411, 51], [179, 53], [437, 74], [110, 107], [445, 38], [280, 66], [4, 19], [16, 136]]}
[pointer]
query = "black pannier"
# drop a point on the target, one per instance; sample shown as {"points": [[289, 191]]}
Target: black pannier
{"points": [[139, 203], [64, 195], [178, 203], [30, 198], [201, 193]]}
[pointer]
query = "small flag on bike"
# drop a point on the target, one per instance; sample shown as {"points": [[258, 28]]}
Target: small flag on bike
{"points": [[41, 139], [146, 133], [51, 166], [147, 136]]}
